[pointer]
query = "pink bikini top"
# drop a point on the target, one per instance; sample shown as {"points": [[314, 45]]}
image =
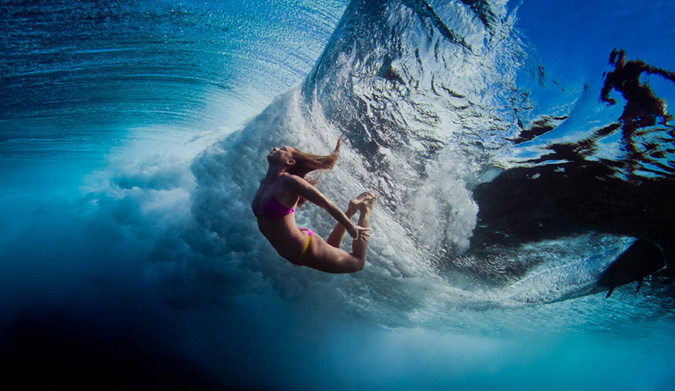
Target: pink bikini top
{"points": [[273, 209]]}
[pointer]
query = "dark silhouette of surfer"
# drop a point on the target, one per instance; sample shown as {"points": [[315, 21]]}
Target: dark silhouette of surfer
{"points": [[643, 107], [643, 258], [569, 192]]}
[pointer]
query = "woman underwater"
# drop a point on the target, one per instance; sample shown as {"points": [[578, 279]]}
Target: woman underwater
{"points": [[284, 188]]}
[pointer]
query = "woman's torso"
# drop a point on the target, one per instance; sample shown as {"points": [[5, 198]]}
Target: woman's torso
{"points": [[276, 221]]}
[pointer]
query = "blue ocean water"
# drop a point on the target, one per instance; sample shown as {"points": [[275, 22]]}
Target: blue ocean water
{"points": [[133, 134]]}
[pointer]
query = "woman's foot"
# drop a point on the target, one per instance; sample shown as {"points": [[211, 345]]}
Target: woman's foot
{"points": [[369, 203], [357, 203]]}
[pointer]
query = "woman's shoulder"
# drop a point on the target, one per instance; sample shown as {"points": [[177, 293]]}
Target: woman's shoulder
{"points": [[292, 181], [288, 178]]}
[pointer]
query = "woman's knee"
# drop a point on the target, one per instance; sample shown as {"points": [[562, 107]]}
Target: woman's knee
{"points": [[358, 263]]}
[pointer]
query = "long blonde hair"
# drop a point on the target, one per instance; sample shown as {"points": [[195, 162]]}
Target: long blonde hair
{"points": [[306, 163]]}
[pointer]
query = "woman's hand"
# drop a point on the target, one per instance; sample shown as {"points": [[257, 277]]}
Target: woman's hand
{"points": [[358, 232]]}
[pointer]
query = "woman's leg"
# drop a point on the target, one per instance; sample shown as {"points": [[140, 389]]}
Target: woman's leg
{"points": [[338, 234], [360, 246], [328, 258]]}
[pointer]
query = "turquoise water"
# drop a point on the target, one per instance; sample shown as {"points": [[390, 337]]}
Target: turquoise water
{"points": [[132, 135]]}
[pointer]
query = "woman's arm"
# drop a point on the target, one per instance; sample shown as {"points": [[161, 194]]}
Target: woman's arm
{"points": [[304, 189]]}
